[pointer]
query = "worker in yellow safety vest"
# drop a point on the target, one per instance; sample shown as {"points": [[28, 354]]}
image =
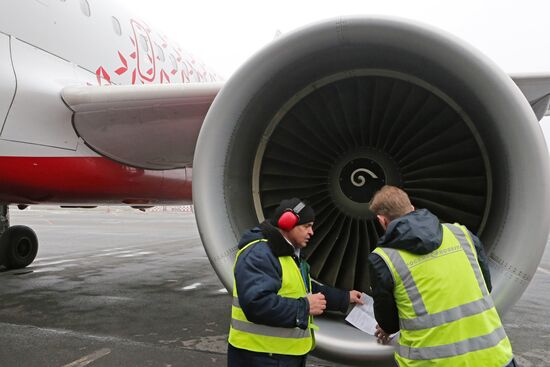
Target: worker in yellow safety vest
{"points": [[431, 282], [274, 299]]}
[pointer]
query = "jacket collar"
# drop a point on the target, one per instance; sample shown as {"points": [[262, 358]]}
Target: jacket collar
{"points": [[279, 245]]}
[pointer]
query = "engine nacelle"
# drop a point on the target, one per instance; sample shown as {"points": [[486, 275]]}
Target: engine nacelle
{"points": [[332, 112]]}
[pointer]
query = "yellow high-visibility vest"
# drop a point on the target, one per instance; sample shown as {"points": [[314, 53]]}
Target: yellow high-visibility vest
{"points": [[446, 314], [270, 339]]}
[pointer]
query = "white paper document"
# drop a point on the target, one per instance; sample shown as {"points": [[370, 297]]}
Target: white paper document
{"points": [[362, 316]]}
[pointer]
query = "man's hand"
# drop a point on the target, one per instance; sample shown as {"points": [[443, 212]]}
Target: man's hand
{"points": [[355, 297], [317, 303], [383, 337]]}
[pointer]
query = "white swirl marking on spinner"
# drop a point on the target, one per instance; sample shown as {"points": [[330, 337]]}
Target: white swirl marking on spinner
{"points": [[358, 180]]}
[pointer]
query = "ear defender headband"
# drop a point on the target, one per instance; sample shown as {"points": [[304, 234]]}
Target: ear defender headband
{"points": [[290, 217]]}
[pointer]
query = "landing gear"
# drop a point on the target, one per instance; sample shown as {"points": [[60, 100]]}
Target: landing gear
{"points": [[18, 244]]}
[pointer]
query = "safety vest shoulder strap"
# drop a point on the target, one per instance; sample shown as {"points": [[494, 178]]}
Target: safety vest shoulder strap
{"points": [[461, 233], [248, 245]]}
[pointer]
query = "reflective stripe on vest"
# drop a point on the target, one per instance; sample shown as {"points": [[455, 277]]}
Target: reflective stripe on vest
{"points": [[469, 326], [455, 349], [266, 330], [270, 339]]}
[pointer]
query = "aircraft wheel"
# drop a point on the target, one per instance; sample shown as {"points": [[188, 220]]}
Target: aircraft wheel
{"points": [[18, 247]]}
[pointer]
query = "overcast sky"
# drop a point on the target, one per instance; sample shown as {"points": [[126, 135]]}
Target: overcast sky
{"points": [[515, 34]]}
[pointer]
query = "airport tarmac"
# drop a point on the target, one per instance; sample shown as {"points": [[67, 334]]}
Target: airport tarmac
{"points": [[119, 287]]}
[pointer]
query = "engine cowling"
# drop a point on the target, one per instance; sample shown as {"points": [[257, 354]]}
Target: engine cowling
{"points": [[333, 111]]}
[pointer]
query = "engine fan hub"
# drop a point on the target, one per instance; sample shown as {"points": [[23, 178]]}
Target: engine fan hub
{"points": [[360, 179], [357, 176]]}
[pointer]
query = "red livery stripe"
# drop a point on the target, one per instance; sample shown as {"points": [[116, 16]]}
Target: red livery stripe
{"points": [[89, 180]]}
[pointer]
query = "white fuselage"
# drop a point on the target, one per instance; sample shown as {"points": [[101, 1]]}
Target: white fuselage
{"points": [[47, 45]]}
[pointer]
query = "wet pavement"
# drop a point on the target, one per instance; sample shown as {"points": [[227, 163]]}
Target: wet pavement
{"points": [[118, 287]]}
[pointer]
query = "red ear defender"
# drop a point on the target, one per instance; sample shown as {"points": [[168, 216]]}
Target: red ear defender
{"points": [[290, 217], [288, 220]]}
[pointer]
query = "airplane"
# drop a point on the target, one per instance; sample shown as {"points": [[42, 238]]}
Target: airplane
{"points": [[98, 108]]}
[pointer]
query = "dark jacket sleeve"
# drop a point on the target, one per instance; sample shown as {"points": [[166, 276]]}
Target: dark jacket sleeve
{"points": [[385, 309], [258, 279], [482, 260], [337, 299]]}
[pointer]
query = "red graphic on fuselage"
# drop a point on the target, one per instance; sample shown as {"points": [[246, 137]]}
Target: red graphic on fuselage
{"points": [[146, 63], [153, 58], [102, 75], [124, 68]]}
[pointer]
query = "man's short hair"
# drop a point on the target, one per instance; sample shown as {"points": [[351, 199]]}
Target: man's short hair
{"points": [[391, 202]]}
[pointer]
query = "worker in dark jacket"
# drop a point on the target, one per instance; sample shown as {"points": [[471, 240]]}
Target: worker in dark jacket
{"points": [[432, 282], [274, 298]]}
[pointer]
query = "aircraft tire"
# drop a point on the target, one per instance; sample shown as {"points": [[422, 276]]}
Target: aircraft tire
{"points": [[18, 247]]}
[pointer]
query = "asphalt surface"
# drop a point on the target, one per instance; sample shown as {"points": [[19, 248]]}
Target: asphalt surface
{"points": [[118, 287]]}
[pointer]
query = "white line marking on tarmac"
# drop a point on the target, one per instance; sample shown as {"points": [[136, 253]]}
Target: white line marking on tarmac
{"points": [[86, 360], [192, 286], [113, 253], [46, 258], [55, 262], [545, 271], [123, 253], [141, 253], [53, 268]]}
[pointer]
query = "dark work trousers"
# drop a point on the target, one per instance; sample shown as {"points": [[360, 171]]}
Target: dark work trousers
{"points": [[237, 357], [512, 363]]}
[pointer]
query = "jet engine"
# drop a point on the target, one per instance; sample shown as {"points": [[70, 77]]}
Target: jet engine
{"points": [[333, 111]]}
